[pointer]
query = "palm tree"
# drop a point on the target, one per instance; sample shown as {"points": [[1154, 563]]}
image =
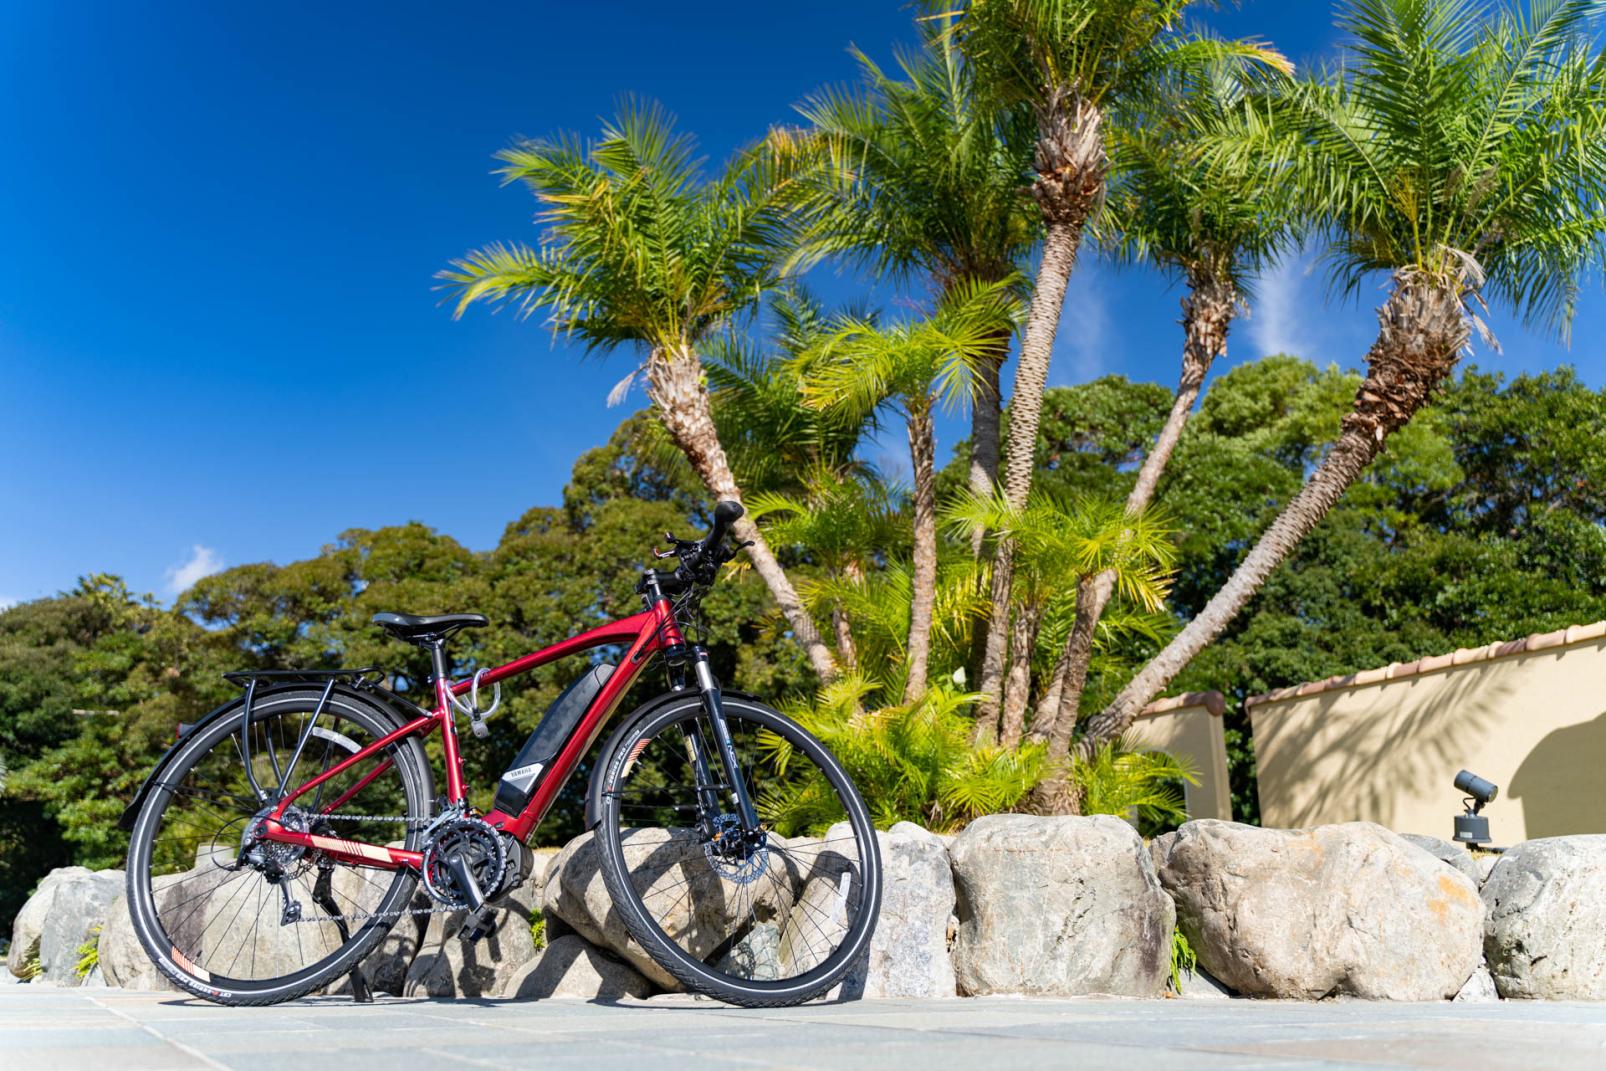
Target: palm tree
{"points": [[778, 443], [843, 520], [640, 250], [917, 365], [919, 179], [1067, 62], [1060, 543], [1212, 230], [1464, 156]]}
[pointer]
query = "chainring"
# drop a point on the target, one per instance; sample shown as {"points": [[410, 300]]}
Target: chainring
{"points": [[473, 839]]}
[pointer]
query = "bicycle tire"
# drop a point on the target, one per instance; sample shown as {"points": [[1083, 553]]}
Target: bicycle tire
{"points": [[693, 973], [417, 782]]}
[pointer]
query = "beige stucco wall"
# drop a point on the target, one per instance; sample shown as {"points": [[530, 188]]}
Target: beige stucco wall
{"points": [[1533, 722], [1192, 730]]}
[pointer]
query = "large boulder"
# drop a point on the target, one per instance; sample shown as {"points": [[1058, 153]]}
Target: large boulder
{"points": [[76, 915], [908, 954], [1059, 907], [29, 924], [448, 966], [1447, 852], [571, 969], [123, 961], [434, 960], [1545, 937], [1347, 909], [697, 906]]}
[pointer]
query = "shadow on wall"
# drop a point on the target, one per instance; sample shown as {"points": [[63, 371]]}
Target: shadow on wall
{"points": [[1423, 747], [1560, 783]]}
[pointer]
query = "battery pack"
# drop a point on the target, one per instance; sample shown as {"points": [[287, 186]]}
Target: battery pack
{"points": [[518, 784]]}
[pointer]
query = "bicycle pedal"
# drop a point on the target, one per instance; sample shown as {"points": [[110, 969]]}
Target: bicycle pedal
{"points": [[479, 925]]}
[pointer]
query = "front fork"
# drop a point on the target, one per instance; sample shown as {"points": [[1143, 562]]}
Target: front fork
{"points": [[714, 707]]}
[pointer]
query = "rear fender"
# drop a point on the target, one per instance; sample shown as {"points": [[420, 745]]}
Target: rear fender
{"points": [[387, 705]]}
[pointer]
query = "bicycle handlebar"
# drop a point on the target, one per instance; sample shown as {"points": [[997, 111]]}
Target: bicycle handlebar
{"points": [[726, 513], [700, 559]]}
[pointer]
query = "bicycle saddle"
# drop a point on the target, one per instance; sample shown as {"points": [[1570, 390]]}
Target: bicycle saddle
{"points": [[427, 628]]}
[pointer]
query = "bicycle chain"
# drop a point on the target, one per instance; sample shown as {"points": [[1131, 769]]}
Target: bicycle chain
{"points": [[410, 823]]}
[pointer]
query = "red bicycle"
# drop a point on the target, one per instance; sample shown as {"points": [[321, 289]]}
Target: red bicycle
{"points": [[286, 832]]}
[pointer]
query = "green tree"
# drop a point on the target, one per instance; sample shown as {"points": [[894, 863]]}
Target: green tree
{"points": [[639, 250], [1466, 157], [1067, 62]]}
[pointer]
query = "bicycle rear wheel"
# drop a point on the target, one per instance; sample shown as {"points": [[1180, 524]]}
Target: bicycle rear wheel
{"points": [[772, 921], [245, 925]]}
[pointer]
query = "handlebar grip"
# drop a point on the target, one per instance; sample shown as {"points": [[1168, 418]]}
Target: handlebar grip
{"points": [[726, 514]]}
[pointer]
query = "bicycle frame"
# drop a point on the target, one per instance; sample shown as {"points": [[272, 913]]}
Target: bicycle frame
{"points": [[647, 633]]}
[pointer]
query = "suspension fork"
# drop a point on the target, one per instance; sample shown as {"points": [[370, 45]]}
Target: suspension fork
{"points": [[714, 707]]}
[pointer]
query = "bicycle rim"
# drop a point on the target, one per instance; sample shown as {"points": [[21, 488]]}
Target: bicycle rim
{"points": [[220, 925], [776, 920]]}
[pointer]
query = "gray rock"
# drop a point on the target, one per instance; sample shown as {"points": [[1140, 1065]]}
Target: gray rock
{"points": [[694, 904], [123, 961], [77, 912], [1340, 910], [1486, 863], [29, 924], [1479, 989], [448, 966], [1200, 984], [571, 969], [1447, 852], [1545, 938], [1059, 907], [908, 954]]}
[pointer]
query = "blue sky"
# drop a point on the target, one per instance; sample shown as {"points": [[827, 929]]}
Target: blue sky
{"points": [[219, 341]]}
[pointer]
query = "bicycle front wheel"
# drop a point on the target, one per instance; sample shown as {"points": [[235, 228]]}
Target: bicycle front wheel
{"points": [[762, 921]]}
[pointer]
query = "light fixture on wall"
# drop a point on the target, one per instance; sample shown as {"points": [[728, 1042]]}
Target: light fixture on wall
{"points": [[1472, 828]]}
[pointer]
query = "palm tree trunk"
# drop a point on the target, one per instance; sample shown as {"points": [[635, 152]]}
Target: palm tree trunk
{"points": [[1071, 163], [1025, 414], [1423, 328], [1018, 683], [845, 649], [1048, 704], [984, 425], [922, 456], [1207, 314], [675, 384]]}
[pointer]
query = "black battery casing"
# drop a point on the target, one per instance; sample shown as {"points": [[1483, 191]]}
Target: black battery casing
{"points": [[518, 784]]}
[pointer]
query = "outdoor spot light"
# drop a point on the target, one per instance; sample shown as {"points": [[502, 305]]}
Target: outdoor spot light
{"points": [[1472, 828]]}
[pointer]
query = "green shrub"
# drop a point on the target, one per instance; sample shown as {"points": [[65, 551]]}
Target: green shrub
{"points": [[913, 762], [1146, 785], [1183, 959], [88, 954]]}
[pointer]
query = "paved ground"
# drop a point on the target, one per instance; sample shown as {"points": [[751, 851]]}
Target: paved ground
{"points": [[113, 1030]]}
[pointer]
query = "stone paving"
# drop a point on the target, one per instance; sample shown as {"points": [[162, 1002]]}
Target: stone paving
{"points": [[114, 1030]]}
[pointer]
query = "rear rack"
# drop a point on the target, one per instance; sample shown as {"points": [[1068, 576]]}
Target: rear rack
{"points": [[245, 676]]}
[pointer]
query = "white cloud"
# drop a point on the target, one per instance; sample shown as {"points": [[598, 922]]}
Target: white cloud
{"points": [[1282, 305], [202, 562]]}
